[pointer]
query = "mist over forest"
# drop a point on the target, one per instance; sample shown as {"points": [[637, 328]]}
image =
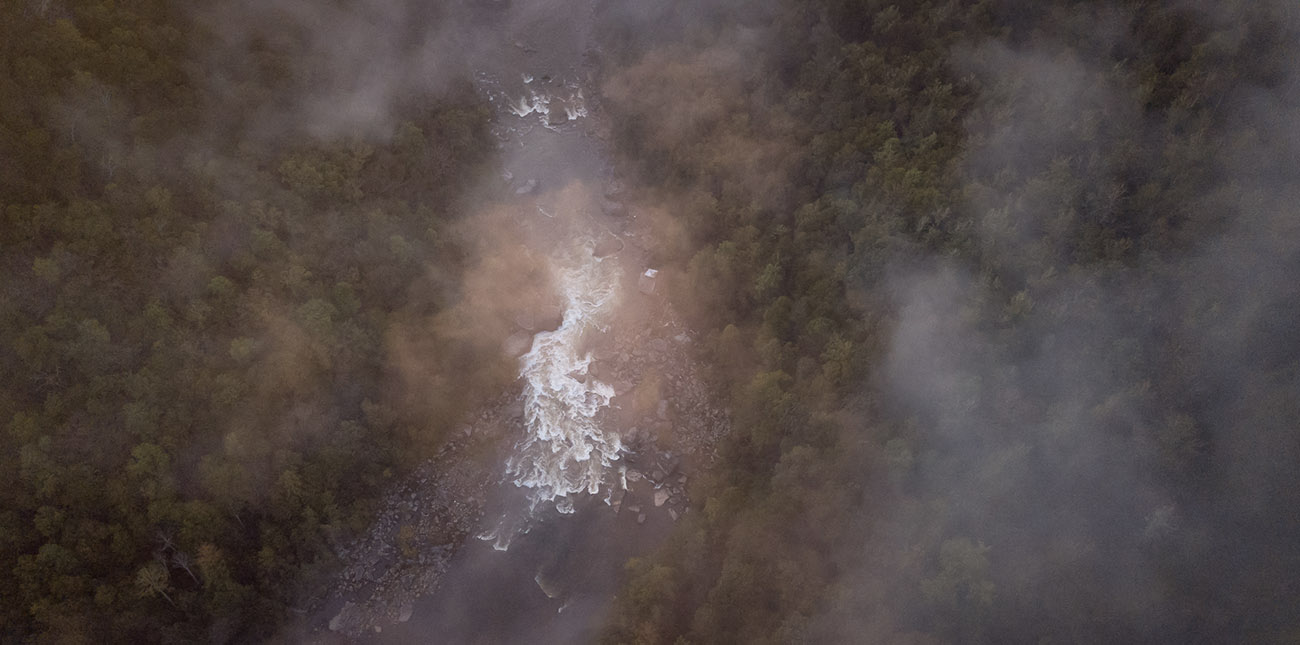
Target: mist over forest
{"points": [[779, 321]]}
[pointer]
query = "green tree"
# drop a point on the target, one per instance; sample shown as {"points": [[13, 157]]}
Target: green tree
{"points": [[153, 579]]}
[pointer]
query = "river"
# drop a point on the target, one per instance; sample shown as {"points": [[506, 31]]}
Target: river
{"points": [[550, 552]]}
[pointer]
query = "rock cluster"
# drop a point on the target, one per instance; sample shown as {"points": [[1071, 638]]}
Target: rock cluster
{"points": [[421, 524], [684, 419], [655, 479]]}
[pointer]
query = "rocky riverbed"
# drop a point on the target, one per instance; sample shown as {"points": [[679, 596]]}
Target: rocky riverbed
{"points": [[661, 408], [545, 87]]}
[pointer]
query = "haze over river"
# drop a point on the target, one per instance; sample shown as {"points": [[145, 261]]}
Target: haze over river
{"points": [[547, 560]]}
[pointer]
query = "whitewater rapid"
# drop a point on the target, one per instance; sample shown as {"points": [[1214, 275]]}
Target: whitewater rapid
{"points": [[565, 451]]}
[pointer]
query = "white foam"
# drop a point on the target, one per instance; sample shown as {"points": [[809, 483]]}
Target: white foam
{"points": [[533, 104], [565, 452], [539, 103]]}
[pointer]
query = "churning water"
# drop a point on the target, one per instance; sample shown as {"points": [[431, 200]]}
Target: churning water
{"points": [[565, 451]]}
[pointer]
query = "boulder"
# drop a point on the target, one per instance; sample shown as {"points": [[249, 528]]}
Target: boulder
{"points": [[527, 187], [515, 410], [669, 464], [549, 318], [612, 208], [608, 245], [517, 344], [648, 282], [345, 618], [548, 587]]}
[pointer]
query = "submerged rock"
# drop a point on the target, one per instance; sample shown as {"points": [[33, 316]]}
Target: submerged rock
{"points": [[545, 318], [546, 586], [517, 344], [608, 245]]}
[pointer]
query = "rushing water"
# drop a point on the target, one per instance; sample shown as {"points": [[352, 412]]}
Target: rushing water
{"points": [[532, 65], [542, 104], [565, 450]]}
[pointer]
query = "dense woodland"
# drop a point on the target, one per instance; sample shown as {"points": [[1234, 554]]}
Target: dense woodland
{"points": [[195, 382], [1002, 296]]}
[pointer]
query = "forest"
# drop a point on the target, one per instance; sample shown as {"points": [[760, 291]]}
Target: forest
{"points": [[1002, 297], [200, 302]]}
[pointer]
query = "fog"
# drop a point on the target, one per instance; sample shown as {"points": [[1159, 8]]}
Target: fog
{"points": [[1086, 465], [972, 322], [1107, 451]]}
